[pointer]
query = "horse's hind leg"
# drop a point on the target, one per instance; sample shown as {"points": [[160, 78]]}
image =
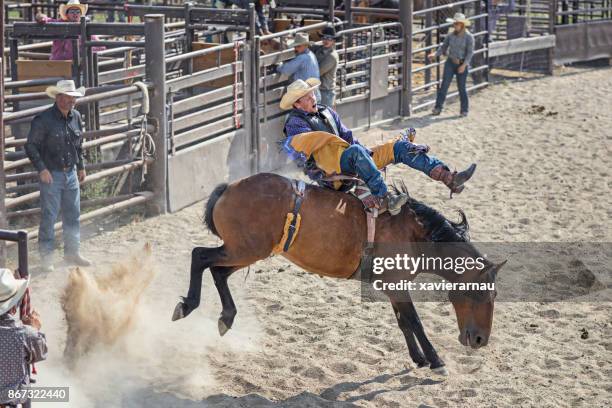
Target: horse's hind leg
{"points": [[201, 258], [220, 275], [413, 348]]}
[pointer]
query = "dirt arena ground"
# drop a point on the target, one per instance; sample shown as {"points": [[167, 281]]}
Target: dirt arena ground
{"points": [[543, 148]]}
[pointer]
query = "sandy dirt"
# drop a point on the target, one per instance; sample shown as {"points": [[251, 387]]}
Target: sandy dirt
{"points": [[543, 148]]}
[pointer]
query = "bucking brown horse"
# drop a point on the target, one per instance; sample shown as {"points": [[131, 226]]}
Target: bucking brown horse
{"points": [[250, 215]]}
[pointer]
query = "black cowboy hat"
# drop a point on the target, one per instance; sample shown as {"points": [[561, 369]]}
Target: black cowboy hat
{"points": [[328, 33]]}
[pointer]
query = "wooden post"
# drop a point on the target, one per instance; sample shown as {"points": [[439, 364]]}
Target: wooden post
{"points": [[156, 74], [405, 18], [3, 219]]}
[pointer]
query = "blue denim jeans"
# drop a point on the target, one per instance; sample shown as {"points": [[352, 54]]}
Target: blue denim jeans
{"points": [[418, 161], [328, 97], [356, 159], [63, 193], [450, 70]]}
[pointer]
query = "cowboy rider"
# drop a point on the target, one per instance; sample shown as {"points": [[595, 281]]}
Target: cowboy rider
{"points": [[340, 152]]}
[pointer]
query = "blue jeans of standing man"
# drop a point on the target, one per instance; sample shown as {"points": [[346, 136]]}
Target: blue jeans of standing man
{"points": [[328, 97], [450, 70], [356, 159], [63, 193]]}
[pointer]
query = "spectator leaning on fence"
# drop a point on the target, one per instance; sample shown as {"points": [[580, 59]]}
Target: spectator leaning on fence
{"points": [[459, 46], [55, 148], [262, 21], [327, 57], [304, 66], [70, 12], [21, 342]]}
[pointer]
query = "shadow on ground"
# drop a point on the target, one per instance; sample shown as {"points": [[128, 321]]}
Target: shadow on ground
{"points": [[328, 398]]}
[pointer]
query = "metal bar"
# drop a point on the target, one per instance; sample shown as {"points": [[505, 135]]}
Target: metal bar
{"points": [[443, 7], [84, 100], [406, 15], [156, 73], [26, 198], [84, 204], [3, 218], [141, 198]]}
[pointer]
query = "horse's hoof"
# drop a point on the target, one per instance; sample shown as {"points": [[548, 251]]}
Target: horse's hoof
{"points": [[223, 328], [179, 312], [422, 364], [440, 371]]}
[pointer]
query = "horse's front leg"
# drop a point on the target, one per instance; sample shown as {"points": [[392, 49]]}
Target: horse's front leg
{"points": [[409, 316], [413, 348], [220, 275]]}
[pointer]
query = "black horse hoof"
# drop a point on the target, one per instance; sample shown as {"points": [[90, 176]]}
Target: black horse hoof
{"points": [[222, 326], [422, 364], [179, 312], [440, 370]]}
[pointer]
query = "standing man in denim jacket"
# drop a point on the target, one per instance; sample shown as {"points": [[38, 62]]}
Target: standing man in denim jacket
{"points": [[304, 65], [459, 46], [55, 148]]}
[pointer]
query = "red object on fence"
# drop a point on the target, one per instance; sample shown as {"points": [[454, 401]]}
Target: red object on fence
{"points": [[236, 117]]}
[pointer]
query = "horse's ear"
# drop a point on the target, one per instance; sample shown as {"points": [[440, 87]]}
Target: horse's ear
{"points": [[496, 267]]}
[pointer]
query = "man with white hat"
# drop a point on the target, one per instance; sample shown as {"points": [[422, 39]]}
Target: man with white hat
{"points": [[459, 46], [21, 342], [54, 147], [70, 12], [304, 65], [341, 153]]}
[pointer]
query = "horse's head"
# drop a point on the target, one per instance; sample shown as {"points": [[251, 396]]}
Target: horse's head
{"points": [[474, 308]]}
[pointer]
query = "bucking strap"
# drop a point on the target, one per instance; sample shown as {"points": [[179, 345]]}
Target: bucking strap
{"points": [[293, 220]]}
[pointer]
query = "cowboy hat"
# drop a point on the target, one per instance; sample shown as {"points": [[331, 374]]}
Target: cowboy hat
{"points": [[65, 86], [459, 18], [328, 33], [296, 90], [63, 8], [299, 39], [11, 290]]}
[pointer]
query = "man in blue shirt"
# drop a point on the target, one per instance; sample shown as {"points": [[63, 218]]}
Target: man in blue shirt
{"points": [[304, 65], [306, 116]]}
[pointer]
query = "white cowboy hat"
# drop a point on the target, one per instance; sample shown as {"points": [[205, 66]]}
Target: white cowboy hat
{"points": [[459, 18], [296, 90], [72, 4], [65, 86], [11, 290], [299, 39]]}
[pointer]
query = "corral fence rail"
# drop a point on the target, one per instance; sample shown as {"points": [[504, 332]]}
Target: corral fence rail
{"points": [[213, 91]]}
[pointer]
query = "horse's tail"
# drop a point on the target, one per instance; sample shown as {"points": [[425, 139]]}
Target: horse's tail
{"points": [[210, 206]]}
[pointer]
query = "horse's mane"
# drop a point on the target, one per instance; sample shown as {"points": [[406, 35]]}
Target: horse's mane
{"points": [[438, 227]]}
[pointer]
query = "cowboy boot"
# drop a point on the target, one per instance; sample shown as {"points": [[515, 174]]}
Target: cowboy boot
{"points": [[453, 180]]}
